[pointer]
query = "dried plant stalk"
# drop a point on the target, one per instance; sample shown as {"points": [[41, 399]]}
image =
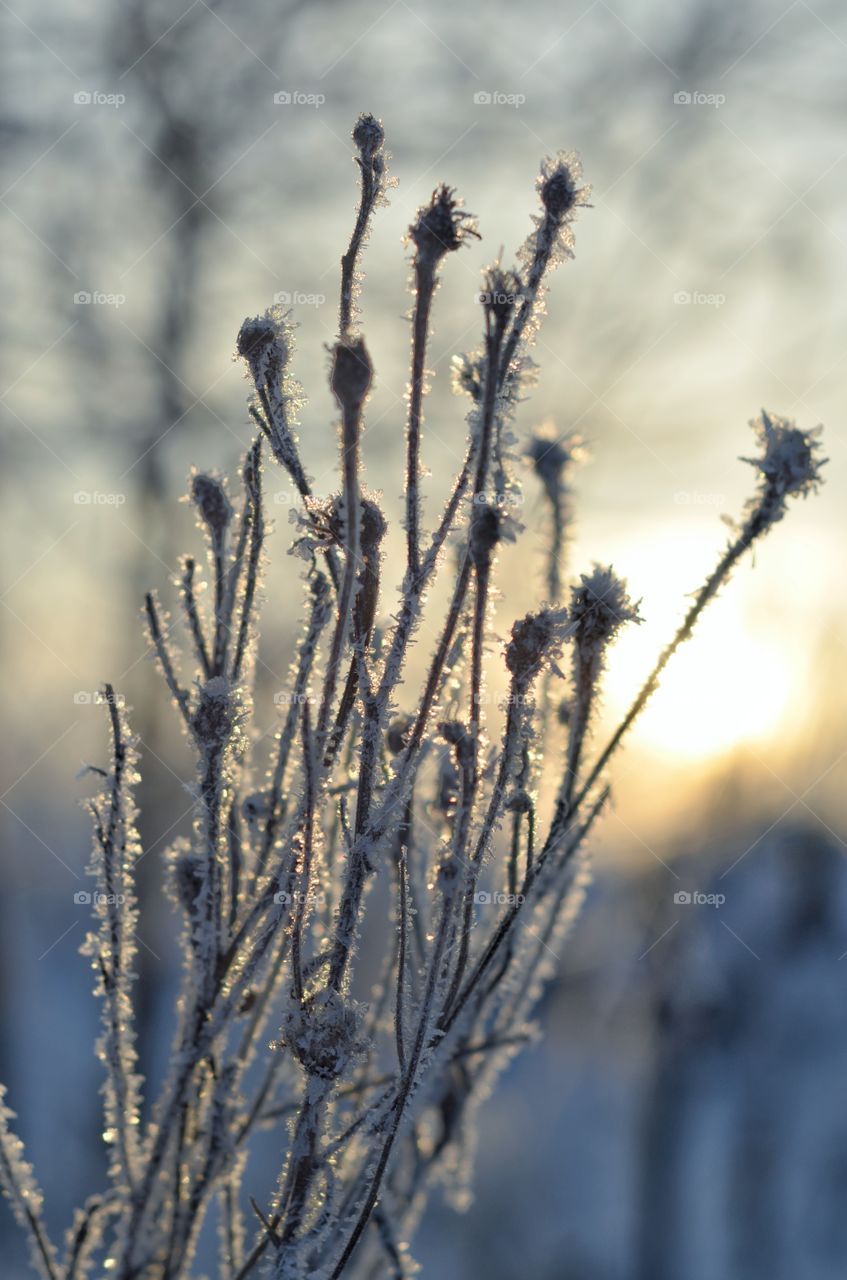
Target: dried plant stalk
{"points": [[370, 1104]]}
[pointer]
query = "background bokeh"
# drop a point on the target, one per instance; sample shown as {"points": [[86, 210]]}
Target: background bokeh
{"points": [[664, 1127]]}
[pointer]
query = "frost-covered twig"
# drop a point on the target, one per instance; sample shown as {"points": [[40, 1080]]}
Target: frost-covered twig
{"points": [[477, 822]]}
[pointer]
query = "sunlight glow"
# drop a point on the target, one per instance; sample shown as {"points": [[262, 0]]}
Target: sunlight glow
{"points": [[730, 684]]}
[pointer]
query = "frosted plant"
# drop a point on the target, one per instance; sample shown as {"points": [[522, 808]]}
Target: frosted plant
{"points": [[377, 790]]}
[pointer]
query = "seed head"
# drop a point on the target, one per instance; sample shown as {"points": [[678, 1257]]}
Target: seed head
{"points": [[501, 292], [789, 464], [441, 227], [352, 373], [210, 498], [535, 639], [215, 717], [599, 608], [558, 186], [369, 136], [552, 457], [264, 342], [485, 533], [324, 1034]]}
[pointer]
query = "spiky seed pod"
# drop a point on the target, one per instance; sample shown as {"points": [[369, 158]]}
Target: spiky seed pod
{"points": [[536, 639], [789, 465], [441, 227], [324, 1034]]}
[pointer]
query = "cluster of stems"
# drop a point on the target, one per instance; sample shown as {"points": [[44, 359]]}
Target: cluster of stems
{"points": [[394, 823]]}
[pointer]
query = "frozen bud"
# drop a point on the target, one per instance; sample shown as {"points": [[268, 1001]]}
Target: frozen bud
{"points": [[501, 292], [263, 343], [485, 533], [214, 719], [324, 1034], [600, 606], [441, 227], [535, 639], [789, 464], [352, 372], [210, 498], [552, 458], [369, 136], [558, 186]]}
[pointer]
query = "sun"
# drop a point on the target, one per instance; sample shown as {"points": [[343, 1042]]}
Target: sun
{"points": [[729, 685]]}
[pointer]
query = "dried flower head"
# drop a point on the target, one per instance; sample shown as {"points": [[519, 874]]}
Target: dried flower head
{"points": [[558, 186], [216, 716], [553, 456], [501, 291], [789, 465], [324, 1034], [485, 533], [352, 373], [600, 606], [536, 639], [264, 342], [208, 493], [441, 227], [368, 135]]}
